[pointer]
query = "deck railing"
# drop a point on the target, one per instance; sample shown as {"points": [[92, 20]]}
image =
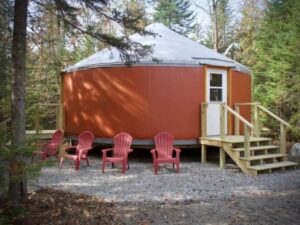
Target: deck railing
{"points": [[256, 107], [247, 126], [238, 118], [58, 116]]}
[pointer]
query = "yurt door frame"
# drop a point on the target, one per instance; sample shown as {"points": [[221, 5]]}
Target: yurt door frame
{"points": [[216, 93]]}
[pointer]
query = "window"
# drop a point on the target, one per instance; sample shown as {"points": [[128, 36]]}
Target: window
{"points": [[216, 87]]}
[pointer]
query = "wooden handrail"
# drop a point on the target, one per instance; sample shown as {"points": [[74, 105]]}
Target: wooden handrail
{"points": [[247, 104], [247, 127], [283, 123], [242, 119], [274, 115]]}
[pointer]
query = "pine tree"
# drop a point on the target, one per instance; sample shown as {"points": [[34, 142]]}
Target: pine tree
{"points": [[175, 14], [277, 71]]}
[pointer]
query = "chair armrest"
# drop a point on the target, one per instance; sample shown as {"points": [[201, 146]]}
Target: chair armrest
{"points": [[130, 150], [69, 148], [107, 149], [153, 152], [177, 150], [83, 150], [104, 152]]}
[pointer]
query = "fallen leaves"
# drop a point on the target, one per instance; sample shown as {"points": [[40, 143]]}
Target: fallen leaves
{"points": [[49, 206]]}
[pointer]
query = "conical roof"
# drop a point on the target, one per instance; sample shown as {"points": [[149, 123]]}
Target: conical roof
{"points": [[168, 47]]}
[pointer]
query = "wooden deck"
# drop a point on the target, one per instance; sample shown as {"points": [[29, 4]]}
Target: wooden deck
{"points": [[231, 139], [43, 134], [263, 155]]}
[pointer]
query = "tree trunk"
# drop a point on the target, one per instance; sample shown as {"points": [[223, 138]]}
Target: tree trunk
{"points": [[216, 30], [17, 176]]}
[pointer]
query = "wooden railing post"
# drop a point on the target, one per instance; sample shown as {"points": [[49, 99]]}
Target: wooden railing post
{"points": [[37, 118], [236, 121], [247, 141], [57, 112], [222, 120], [256, 121], [203, 120], [282, 139]]}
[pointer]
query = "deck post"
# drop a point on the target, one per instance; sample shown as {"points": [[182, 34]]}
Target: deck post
{"points": [[222, 158], [37, 118], [236, 121], [60, 116], [256, 121], [203, 154], [222, 121], [203, 119], [246, 141], [282, 139]]}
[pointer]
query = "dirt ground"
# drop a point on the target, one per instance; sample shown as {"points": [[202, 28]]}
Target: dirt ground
{"points": [[49, 206]]}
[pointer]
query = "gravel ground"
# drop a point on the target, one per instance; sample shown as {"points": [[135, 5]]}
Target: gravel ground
{"points": [[196, 183]]}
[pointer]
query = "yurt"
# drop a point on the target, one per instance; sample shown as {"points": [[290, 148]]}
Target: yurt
{"points": [[163, 92]]}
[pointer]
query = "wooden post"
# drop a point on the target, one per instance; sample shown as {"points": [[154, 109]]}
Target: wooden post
{"points": [[222, 121], [282, 139], [256, 121], [203, 154], [37, 118], [203, 119], [61, 116], [222, 158], [236, 121], [57, 111], [246, 141]]}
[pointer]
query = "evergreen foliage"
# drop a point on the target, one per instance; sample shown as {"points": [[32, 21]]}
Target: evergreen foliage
{"points": [[277, 70], [176, 14], [6, 14], [247, 33]]}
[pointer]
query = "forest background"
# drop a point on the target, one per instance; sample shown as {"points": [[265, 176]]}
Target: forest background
{"points": [[263, 35]]}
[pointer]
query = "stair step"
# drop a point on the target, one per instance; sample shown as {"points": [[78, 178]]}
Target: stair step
{"points": [[254, 148], [273, 165], [268, 156]]}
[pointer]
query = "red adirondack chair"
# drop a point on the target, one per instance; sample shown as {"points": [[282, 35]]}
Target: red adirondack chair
{"points": [[120, 151], [85, 141], [163, 151], [49, 148]]}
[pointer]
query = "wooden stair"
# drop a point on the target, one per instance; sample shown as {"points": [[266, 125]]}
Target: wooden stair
{"points": [[264, 156]]}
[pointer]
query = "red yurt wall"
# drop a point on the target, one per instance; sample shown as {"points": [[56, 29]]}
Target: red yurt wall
{"points": [[142, 101], [241, 93]]}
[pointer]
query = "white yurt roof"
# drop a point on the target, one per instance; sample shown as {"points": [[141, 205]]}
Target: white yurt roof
{"points": [[169, 48]]}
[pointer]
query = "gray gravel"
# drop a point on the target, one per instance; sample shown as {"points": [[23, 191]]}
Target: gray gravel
{"points": [[196, 183]]}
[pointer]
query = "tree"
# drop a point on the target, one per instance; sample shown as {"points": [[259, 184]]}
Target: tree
{"points": [[67, 15], [221, 33], [252, 12], [277, 71], [176, 14], [17, 181]]}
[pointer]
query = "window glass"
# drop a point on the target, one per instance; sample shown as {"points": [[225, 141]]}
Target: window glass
{"points": [[215, 80], [215, 94]]}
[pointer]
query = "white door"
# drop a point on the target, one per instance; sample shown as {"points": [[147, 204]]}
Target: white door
{"points": [[216, 83]]}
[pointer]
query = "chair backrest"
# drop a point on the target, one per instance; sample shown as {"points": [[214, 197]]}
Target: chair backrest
{"points": [[85, 140], [57, 139], [164, 144], [122, 143]]}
